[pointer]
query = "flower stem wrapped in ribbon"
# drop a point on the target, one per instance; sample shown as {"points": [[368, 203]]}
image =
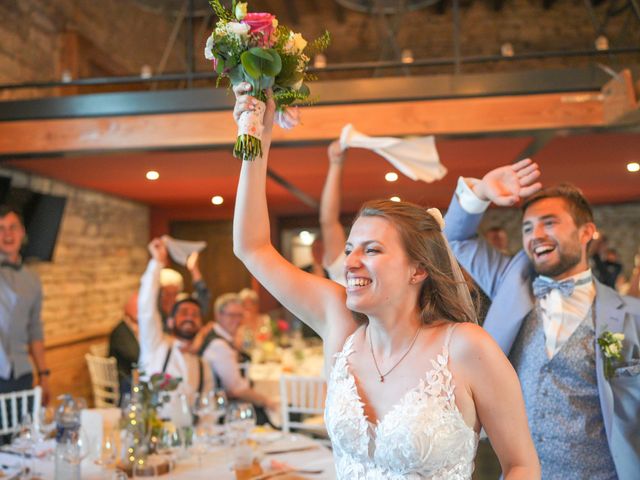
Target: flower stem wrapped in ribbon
{"points": [[252, 47]]}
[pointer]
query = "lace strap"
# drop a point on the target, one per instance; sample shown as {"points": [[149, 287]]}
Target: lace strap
{"points": [[447, 338]]}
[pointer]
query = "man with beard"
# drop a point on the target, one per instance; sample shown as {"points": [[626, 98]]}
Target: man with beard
{"points": [[547, 314], [170, 353]]}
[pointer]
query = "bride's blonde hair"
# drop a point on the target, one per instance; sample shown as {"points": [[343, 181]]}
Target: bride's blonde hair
{"points": [[424, 243]]}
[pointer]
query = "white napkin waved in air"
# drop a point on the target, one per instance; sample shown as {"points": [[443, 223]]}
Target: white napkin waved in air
{"points": [[415, 157], [179, 250]]}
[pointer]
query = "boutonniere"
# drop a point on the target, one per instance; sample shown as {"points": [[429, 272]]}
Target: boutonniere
{"points": [[611, 347]]}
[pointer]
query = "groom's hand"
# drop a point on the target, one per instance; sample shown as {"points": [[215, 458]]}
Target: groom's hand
{"points": [[506, 185]]}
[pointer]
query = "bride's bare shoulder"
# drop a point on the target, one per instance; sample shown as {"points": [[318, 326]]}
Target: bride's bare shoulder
{"points": [[470, 343]]}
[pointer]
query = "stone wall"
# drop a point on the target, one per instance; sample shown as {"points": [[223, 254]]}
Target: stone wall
{"points": [[125, 35], [99, 257]]}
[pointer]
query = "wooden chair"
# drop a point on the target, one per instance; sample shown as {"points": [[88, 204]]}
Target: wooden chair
{"points": [[302, 402], [15, 405], [104, 380]]}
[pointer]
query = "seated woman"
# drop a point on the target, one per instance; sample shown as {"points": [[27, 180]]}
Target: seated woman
{"points": [[411, 377]]}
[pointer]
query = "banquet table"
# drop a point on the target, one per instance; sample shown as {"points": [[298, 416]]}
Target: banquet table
{"points": [[265, 376], [217, 463]]}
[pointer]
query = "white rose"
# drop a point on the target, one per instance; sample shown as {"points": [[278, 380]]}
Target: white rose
{"points": [[207, 49], [237, 28], [614, 349], [618, 336], [241, 10]]}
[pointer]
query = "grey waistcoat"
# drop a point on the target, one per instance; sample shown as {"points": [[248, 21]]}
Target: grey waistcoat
{"points": [[561, 398]]}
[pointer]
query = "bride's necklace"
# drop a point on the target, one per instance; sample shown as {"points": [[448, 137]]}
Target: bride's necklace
{"points": [[382, 375]]}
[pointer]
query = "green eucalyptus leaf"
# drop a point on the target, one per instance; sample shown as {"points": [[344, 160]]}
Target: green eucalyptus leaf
{"points": [[252, 64]]}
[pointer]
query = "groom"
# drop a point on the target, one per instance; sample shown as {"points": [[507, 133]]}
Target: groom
{"points": [[547, 313]]}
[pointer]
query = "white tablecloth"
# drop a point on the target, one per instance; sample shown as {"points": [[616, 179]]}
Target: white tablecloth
{"points": [[266, 376], [216, 464]]}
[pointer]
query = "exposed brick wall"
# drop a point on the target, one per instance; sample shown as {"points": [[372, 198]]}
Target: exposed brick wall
{"points": [[132, 36], [99, 257]]}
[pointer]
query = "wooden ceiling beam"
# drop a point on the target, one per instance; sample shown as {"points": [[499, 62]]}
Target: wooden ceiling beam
{"points": [[320, 123]]}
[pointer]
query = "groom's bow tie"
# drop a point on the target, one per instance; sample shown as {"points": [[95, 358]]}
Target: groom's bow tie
{"points": [[543, 285], [14, 266]]}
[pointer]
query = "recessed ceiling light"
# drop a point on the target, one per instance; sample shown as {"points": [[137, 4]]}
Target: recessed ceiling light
{"points": [[217, 200], [152, 175], [306, 237], [395, 199], [633, 166], [391, 176]]}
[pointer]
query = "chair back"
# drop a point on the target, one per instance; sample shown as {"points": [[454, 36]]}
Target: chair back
{"points": [[304, 397], [99, 349], [15, 405], [104, 380]]}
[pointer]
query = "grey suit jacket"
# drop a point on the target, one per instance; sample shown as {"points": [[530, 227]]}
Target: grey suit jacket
{"points": [[507, 281]]}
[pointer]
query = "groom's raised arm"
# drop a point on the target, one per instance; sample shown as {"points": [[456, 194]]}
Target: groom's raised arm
{"points": [[503, 186]]}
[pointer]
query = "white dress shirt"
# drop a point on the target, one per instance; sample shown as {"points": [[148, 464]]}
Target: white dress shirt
{"points": [[155, 344], [223, 359], [560, 315]]}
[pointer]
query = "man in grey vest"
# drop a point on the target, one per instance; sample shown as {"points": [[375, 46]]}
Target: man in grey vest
{"points": [[573, 341]]}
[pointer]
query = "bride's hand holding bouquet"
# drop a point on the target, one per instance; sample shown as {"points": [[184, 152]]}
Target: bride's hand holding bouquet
{"points": [[253, 48]]}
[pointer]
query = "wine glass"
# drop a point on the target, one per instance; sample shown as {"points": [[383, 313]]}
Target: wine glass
{"points": [[200, 442], [76, 448], [241, 419], [203, 406]]}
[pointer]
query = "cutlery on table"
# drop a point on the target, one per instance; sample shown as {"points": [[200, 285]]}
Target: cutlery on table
{"points": [[290, 450]]}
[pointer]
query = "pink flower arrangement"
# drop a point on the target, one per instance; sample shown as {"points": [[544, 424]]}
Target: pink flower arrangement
{"points": [[262, 25]]}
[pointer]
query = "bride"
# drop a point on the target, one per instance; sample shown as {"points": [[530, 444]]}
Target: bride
{"points": [[411, 378]]}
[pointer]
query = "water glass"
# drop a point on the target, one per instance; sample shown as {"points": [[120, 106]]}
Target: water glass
{"points": [[108, 453], [241, 419]]}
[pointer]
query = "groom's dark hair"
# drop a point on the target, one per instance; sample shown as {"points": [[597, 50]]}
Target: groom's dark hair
{"points": [[579, 207]]}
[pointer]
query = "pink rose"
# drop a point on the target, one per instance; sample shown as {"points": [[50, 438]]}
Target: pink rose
{"points": [[262, 25]]}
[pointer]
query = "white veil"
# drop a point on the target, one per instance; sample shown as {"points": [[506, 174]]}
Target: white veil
{"points": [[464, 296]]}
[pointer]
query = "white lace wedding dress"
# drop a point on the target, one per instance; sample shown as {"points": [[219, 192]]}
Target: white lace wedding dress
{"points": [[422, 437]]}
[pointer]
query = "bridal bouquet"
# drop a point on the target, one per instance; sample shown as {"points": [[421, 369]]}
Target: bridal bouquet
{"points": [[253, 48]]}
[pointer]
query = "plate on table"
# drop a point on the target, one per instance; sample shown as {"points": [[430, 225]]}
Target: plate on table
{"points": [[265, 435]]}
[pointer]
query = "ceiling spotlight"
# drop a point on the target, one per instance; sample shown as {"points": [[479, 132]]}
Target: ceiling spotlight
{"points": [[65, 76], [633, 167], [306, 237], [395, 199], [506, 50], [406, 56], [602, 43], [391, 176], [217, 200], [152, 175], [320, 60], [145, 71]]}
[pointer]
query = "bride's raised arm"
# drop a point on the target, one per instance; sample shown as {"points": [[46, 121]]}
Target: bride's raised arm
{"points": [[311, 298]]}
